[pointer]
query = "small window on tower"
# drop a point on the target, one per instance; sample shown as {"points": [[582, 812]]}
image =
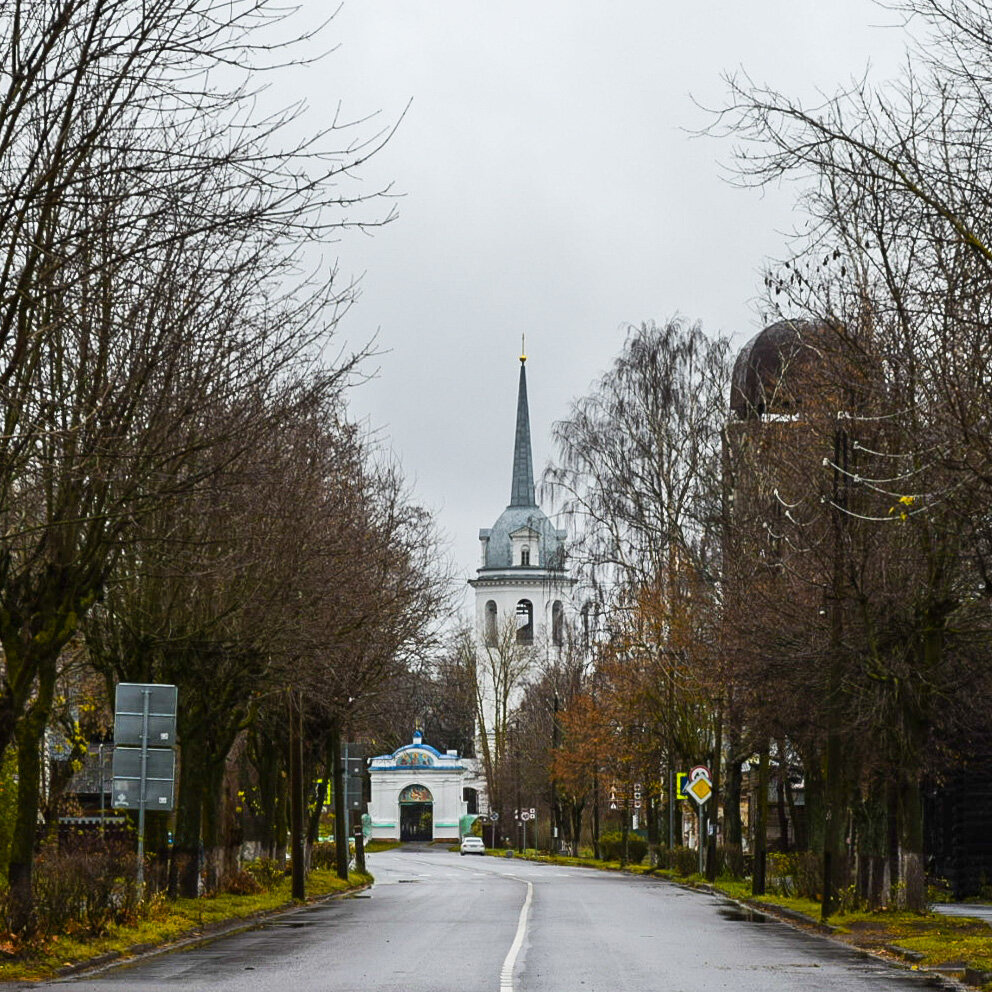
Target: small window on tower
{"points": [[525, 556]]}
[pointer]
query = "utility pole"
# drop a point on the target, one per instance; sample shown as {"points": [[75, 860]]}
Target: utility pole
{"points": [[516, 768], [758, 874], [554, 844], [833, 841]]}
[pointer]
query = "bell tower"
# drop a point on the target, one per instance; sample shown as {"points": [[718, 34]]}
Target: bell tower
{"points": [[521, 582]]}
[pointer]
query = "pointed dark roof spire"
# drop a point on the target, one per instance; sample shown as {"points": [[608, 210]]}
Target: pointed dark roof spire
{"points": [[522, 486]]}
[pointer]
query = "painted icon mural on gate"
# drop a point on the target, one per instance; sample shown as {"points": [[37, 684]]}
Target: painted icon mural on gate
{"points": [[416, 794], [414, 759]]}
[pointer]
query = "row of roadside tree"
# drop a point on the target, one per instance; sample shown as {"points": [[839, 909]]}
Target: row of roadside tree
{"points": [[182, 495], [801, 587]]}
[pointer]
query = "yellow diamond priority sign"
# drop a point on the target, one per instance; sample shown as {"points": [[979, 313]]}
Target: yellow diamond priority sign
{"points": [[700, 790], [699, 787]]}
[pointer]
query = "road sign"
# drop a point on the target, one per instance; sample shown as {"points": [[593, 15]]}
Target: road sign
{"points": [[533, 813], [700, 787], [700, 790], [143, 776], [680, 782], [129, 715], [159, 778]]}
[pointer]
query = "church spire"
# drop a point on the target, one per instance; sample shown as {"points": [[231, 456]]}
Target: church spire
{"points": [[522, 486]]}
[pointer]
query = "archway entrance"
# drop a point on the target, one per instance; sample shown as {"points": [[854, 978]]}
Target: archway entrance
{"points": [[416, 813]]}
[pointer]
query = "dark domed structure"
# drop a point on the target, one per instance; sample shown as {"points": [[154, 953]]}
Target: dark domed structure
{"points": [[772, 367]]}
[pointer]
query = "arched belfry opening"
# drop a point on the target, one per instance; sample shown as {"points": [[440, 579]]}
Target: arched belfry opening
{"points": [[557, 623], [525, 622], [492, 617]]}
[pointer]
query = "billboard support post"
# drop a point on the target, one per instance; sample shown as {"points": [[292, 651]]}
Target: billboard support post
{"points": [[145, 693]]}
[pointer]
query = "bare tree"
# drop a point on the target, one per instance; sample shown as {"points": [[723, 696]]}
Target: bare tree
{"points": [[897, 264], [149, 274], [500, 664], [640, 475]]}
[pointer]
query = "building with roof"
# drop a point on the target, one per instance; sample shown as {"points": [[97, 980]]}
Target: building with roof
{"points": [[522, 588], [522, 575], [417, 793]]}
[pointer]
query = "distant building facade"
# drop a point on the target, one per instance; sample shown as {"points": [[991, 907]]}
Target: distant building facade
{"points": [[417, 793], [522, 589]]}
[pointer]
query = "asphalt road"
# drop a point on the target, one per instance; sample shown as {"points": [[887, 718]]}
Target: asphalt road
{"points": [[438, 922]]}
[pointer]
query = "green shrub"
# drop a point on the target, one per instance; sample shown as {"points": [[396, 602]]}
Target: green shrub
{"points": [[682, 860], [241, 882], [267, 872], [325, 854], [83, 890], [781, 873], [611, 847]]}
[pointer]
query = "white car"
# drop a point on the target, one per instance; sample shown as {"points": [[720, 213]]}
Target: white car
{"points": [[473, 845]]}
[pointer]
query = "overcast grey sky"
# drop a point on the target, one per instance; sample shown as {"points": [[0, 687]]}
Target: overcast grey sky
{"points": [[549, 187]]}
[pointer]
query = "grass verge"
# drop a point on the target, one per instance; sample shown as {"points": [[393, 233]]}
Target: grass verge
{"points": [[166, 923], [372, 846]]}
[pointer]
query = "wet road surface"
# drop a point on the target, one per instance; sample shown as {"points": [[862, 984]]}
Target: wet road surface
{"points": [[438, 922]]}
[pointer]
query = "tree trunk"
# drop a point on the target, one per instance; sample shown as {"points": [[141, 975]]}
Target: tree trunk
{"points": [[733, 828], [30, 736], [761, 826], [184, 870], [297, 838], [212, 826], [576, 827], [892, 822], [340, 813], [915, 887], [782, 809], [596, 853]]}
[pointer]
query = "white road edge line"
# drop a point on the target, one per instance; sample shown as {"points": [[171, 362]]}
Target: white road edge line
{"points": [[506, 972]]}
